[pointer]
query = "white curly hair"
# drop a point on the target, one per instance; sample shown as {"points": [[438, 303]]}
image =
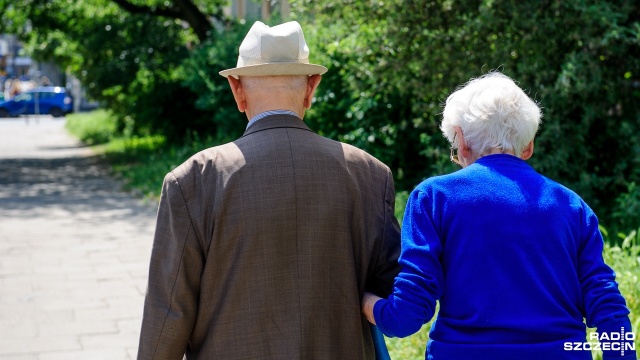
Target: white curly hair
{"points": [[492, 112]]}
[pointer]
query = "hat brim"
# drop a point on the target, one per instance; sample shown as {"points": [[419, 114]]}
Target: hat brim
{"points": [[276, 69]]}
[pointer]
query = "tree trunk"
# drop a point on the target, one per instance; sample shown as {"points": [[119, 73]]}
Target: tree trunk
{"points": [[181, 9], [196, 19]]}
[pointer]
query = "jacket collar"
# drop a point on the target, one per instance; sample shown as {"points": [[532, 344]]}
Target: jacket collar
{"points": [[276, 121]]}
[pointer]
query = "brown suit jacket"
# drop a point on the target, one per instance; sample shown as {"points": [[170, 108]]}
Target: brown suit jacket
{"points": [[264, 247]]}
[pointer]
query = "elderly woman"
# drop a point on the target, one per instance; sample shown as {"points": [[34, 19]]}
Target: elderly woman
{"points": [[514, 258]]}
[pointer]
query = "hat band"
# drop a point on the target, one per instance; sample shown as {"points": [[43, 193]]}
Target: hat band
{"points": [[242, 62]]}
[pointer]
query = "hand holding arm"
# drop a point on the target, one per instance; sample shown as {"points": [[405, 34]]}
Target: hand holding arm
{"points": [[369, 300], [419, 284]]}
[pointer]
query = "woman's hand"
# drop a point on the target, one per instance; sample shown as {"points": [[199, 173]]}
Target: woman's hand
{"points": [[369, 300]]}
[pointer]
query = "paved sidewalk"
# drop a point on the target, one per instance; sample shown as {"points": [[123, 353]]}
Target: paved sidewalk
{"points": [[74, 249]]}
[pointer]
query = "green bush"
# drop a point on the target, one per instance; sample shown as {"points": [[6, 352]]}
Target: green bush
{"points": [[224, 122], [626, 212], [393, 63], [391, 66], [97, 127]]}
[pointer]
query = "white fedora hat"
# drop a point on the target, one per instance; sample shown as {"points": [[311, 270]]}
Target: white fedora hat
{"points": [[278, 50]]}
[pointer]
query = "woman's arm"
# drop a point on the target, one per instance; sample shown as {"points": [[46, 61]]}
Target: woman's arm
{"points": [[419, 284]]}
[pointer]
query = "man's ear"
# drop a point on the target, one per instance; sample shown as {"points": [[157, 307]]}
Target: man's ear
{"points": [[527, 152], [312, 84], [238, 93]]}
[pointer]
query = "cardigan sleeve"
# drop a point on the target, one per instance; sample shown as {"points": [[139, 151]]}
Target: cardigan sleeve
{"points": [[171, 302], [420, 281], [604, 305]]}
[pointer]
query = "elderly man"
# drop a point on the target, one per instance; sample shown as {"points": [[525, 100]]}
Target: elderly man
{"points": [[514, 258], [265, 245]]}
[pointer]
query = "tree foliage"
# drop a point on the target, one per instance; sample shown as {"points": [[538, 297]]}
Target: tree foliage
{"points": [[398, 60], [391, 66], [127, 54]]}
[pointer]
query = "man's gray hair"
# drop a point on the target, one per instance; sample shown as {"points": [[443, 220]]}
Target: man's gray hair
{"points": [[492, 112]]}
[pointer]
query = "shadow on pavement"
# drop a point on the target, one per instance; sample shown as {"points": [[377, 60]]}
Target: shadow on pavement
{"points": [[79, 146], [32, 187]]}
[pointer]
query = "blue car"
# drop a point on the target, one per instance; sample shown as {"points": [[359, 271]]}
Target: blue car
{"points": [[51, 100]]}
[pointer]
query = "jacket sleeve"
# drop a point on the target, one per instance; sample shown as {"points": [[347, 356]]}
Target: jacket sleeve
{"points": [[421, 280], [171, 302], [605, 308], [385, 262]]}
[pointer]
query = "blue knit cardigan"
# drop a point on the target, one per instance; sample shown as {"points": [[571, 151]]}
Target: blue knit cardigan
{"points": [[515, 260]]}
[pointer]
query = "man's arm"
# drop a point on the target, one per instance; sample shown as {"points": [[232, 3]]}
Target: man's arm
{"points": [[171, 302], [385, 262]]}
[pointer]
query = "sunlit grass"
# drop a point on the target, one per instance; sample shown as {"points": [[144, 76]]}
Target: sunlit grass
{"points": [[96, 127], [410, 348]]}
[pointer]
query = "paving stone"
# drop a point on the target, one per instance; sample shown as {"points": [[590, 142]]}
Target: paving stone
{"points": [[39, 345], [97, 354], [20, 357]]}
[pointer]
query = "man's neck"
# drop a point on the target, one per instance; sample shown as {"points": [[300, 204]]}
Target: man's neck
{"points": [[251, 113], [262, 115]]}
